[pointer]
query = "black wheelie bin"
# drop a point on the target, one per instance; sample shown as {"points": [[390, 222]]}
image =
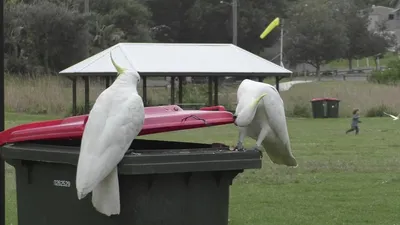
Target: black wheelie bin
{"points": [[165, 182], [325, 107]]}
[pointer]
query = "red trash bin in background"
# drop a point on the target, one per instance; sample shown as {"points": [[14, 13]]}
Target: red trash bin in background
{"points": [[325, 107]]}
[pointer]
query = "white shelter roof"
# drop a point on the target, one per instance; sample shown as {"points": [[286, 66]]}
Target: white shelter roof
{"points": [[177, 59]]}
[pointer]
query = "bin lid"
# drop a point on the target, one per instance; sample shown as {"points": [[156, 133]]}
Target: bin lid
{"points": [[158, 119], [324, 99]]}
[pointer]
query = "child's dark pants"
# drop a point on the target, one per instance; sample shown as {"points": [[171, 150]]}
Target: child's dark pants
{"points": [[352, 129]]}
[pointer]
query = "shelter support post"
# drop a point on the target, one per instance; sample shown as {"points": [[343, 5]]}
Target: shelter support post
{"points": [[86, 79], [144, 90], [180, 89], [2, 124], [277, 79], [107, 81], [216, 90], [210, 91], [260, 79], [73, 96], [172, 90]]}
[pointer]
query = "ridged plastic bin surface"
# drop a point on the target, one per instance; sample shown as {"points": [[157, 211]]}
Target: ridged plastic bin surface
{"points": [[186, 185]]}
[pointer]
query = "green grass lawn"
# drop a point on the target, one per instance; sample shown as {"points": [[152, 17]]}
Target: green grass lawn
{"points": [[341, 179]]}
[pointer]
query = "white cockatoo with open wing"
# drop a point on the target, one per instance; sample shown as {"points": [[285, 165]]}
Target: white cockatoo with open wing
{"points": [[394, 117], [285, 86], [115, 120], [260, 114]]}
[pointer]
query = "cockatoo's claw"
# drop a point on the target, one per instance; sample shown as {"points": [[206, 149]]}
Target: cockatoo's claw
{"points": [[131, 152], [238, 148], [255, 148]]}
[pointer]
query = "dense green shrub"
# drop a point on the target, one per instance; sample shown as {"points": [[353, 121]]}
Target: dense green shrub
{"points": [[377, 111], [300, 110], [389, 76]]}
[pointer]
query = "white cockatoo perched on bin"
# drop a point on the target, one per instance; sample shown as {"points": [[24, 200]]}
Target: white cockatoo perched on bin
{"points": [[115, 120], [260, 114]]}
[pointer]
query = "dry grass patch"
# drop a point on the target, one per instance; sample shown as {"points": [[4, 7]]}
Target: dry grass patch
{"points": [[353, 94], [53, 95]]}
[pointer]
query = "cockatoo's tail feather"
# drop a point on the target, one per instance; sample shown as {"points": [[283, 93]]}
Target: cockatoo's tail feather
{"points": [[246, 115], [81, 195], [105, 197], [119, 69]]}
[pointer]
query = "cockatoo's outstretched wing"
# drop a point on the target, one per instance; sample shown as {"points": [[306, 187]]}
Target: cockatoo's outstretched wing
{"points": [[285, 86], [394, 117], [109, 132], [387, 114]]}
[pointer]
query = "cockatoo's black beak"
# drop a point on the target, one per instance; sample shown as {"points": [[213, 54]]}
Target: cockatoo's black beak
{"points": [[234, 119]]}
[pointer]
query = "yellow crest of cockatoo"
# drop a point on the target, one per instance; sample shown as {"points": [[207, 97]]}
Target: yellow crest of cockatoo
{"points": [[119, 69], [115, 120], [263, 120]]}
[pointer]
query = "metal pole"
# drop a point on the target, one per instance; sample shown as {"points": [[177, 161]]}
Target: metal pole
{"points": [[86, 11], [86, 6], [2, 163], [216, 90], [172, 90], [281, 50], [144, 90], [234, 21], [74, 96], [87, 92]]}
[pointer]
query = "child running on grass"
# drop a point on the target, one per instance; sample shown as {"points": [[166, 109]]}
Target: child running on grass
{"points": [[355, 120]]}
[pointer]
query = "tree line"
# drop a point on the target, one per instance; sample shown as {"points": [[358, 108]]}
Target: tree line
{"points": [[46, 36]]}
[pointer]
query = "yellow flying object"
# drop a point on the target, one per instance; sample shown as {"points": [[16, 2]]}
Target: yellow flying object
{"points": [[270, 27]]}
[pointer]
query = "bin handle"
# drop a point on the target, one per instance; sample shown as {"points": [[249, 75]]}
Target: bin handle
{"points": [[194, 117]]}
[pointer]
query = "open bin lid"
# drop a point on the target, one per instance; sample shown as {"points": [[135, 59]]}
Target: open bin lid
{"points": [[158, 119]]}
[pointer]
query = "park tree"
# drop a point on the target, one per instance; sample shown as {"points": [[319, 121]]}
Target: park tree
{"points": [[30, 32], [171, 20], [362, 42], [315, 34], [387, 3], [14, 39], [132, 17], [42, 18], [355, 16], [49, 35], [212, 22]]}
